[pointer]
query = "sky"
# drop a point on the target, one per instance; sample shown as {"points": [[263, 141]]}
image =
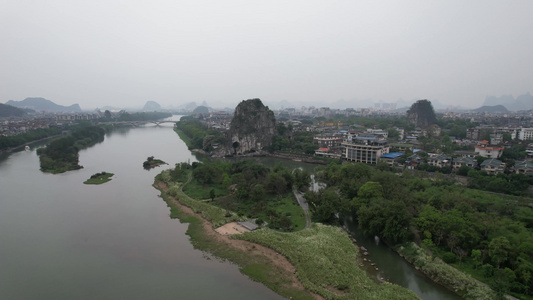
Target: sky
{"points": [[124, 53]]}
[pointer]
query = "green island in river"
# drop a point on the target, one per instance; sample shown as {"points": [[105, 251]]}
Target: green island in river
{"points": [[99, 178], [151, 163]]}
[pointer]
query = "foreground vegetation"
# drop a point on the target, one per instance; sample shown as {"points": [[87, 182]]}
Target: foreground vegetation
{"points": [[326, 263], [255, 266], [99, 178], [61, 154], [324, 256], [473, 229]]}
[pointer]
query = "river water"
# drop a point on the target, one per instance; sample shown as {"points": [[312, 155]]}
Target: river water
{"points": [[62, 239]]}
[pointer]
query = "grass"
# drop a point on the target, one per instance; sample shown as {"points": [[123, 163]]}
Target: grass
{"points": [[196, 190], [99, 178], [214, 214], [257, 267], [184, 138], [326, 263]]}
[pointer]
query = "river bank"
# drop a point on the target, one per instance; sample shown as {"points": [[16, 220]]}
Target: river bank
{"points": [[258, 262], [320, 262]]}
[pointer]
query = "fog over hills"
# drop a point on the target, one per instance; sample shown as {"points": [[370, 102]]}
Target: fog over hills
{"points": [[522, 102], [42, 104]]}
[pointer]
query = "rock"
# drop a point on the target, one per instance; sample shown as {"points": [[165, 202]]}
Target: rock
{"points": [[421, 114], [252, 129]]}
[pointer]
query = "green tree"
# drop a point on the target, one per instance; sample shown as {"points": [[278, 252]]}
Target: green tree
{"points": [[499, 250], [477, 258]]}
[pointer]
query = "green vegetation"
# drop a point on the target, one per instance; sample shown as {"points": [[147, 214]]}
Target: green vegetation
{"points": [[61, 154], [99, 178], [326, 263], [151, 163], [470, 227], [444, 274], [7, 142], [247, 187], [197, 135]]}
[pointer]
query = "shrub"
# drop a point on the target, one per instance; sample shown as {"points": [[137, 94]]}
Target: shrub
{"points": [[449, 257]]}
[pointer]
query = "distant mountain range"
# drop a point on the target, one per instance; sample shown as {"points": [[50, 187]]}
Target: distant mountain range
{"points": [[492, 109], [42, 104], [151, 106], [10, 111], [522, 102]]}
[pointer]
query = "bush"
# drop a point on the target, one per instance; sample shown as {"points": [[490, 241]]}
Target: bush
{"points": [[449, 257]]}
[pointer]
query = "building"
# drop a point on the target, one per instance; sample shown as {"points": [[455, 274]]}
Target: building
{"points": [[464, 161], [484, 150], [441, 161], [328, 140], [493, 166], [413, 161], [391, 157], [366, 150], [524, 167], [525, 134], [529, 150]]}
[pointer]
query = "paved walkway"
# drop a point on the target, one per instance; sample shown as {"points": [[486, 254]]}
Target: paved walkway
{"points": [[301, 200]]}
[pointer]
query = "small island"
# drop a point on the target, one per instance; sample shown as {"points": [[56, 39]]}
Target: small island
{"points": [[151, 162], [99, 178]]}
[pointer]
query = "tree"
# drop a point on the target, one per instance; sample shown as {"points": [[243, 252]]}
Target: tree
{"points": [[499, 249], [477, 257], [212, 194]]}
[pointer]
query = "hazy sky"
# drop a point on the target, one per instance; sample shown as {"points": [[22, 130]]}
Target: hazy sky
{"points": [[124, 53]]}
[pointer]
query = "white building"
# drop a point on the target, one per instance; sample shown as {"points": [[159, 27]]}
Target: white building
{"points": [[525, 134]]}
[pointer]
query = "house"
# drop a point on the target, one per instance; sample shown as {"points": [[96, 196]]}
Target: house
{"points": [[461, 153], [492, 166], [464, 161], [441, 161], [391, 157], [413, 161], [523, 167], [483, 149]]}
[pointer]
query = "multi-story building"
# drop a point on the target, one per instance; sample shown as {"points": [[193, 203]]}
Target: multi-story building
{"points": [[328, 140], [485, 150], [365, 150], [525, 134]]}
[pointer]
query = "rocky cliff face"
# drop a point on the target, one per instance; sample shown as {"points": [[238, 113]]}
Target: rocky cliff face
{"points": [[252, 128], [421, 114]]}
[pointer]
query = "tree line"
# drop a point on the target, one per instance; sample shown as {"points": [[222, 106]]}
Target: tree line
{"points": [[61, 154]]}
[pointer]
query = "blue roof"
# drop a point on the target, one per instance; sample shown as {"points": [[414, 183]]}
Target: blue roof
{"points": [[365, 137], [392, 155], [417, 150], [343, 131]]}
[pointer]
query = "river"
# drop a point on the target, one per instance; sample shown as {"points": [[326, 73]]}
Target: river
{"points": [[62, 239]]}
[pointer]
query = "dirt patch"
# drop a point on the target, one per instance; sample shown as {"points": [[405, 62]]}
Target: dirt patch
{"points": [[231, 228], [275, 258]]}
